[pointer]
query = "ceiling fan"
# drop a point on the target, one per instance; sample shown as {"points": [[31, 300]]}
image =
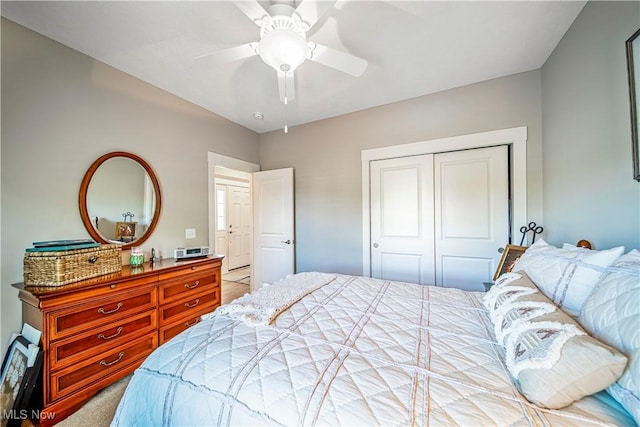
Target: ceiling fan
{"points": [[283, 41]]}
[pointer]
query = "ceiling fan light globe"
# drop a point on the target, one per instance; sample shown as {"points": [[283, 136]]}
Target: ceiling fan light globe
{"points": [[283, 50]]}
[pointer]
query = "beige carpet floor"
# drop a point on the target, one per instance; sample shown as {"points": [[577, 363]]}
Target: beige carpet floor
{"points": [[99, 411]]}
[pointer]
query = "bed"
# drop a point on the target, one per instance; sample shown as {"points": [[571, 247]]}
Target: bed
{"points": [[333, 349]]}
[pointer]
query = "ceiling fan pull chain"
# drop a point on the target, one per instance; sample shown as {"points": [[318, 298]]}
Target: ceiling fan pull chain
{"points": [[286, 127]]}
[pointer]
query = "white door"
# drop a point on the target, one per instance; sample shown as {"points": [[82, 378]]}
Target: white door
{"points": [[440, 218], [402, 219], [471, 215], [239, 227], [273, 225]]}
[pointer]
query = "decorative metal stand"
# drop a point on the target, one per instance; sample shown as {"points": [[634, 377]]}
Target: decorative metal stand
{"points": [[128, 215], [532, 226]]}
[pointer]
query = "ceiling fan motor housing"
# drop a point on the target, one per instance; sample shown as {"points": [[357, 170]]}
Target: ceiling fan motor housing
{"points": [[283, 40]]}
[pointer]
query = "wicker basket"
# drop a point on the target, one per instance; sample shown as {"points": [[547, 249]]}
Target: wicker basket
{"points": [[61, 268]]}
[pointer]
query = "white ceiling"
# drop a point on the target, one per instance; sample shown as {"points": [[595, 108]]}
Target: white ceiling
{"points": [[413, 48]]}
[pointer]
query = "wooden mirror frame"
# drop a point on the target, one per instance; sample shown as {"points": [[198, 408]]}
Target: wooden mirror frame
{"points": [[84, 187]]}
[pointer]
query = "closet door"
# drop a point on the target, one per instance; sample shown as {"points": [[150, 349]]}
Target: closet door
{"points": [[402, 219], [471, 215]]}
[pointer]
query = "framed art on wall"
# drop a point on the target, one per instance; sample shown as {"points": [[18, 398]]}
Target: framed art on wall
{"points": [[633, 69]]}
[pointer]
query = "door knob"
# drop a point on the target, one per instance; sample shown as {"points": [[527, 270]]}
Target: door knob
{"points": [[375, 245], [288, 242]]}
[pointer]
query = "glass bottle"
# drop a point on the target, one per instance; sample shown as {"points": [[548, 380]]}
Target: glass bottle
{"points": [[137, 257]]}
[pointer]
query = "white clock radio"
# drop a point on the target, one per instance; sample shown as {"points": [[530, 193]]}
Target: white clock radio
{"points": [[186, 253]]}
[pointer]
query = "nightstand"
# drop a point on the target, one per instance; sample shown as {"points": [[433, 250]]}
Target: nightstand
{"points": [[487, 285]]}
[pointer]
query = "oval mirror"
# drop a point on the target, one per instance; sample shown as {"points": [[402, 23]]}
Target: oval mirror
{"points": [[120, 199]]}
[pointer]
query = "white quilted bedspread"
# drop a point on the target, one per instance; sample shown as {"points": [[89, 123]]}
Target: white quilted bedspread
{"points": [[356, 351]]}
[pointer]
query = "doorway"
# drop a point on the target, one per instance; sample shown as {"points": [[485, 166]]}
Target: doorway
{"points": [[233, 217], [270, 214], [227, 171]]}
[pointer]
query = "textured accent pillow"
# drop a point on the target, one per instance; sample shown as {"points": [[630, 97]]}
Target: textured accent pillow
{"points": [[566, 275], [612, 314], [553, 360]]}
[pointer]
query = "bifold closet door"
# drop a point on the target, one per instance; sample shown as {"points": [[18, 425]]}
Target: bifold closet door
{"points": [[471, 216], [402, 219], [440, 218]]}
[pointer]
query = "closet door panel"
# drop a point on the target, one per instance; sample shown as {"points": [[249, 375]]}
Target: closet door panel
{"points": [[402, 219], [471, 215]]}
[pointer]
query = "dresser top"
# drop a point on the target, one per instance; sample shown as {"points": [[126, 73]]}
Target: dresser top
{"points": [[127, 273]]}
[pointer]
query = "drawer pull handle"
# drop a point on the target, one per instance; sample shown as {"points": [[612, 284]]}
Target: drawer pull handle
{"points": [[120, 356], [92, 259], [102, 337], [195, 285], [187, 324], [102, 311], [186, 304]]}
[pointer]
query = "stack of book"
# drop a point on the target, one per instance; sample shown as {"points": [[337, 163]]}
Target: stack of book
{"points": [[62, 245]]}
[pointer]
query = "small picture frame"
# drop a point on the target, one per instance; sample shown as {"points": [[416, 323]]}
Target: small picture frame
{"points": [[510, 255], [126, 231], [14, 368]]}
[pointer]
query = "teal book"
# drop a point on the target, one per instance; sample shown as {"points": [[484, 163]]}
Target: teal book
{"points": [[63, 247], [62, 242]]}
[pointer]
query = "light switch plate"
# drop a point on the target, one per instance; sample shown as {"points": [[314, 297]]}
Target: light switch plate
{"points": [[190, 233]]}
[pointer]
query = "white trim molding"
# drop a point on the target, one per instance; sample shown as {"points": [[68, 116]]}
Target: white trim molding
{"points": [[514, 137]]}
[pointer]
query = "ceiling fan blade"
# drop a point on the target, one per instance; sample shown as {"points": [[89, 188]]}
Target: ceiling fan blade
{"points": [[286, 86], [232, 54], [339, 60], [310, 11], [252, 9]]}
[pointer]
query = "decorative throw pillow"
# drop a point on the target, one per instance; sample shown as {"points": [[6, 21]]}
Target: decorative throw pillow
{"points": [[612, 314], [553, 360], [566, 275]]}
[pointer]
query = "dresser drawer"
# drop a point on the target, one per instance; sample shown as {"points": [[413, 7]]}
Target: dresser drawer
{"points": [[170, 331], [81, 318], [188, 286], [206, 268], [185, 308], [78, 348], [80, 375]]}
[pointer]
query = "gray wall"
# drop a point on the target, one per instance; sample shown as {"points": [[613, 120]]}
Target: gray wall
{"points": [[60, 111], [326, 158], [589, 190]]}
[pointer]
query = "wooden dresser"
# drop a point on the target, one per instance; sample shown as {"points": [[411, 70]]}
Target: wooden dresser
{"points": [[99, 330]]}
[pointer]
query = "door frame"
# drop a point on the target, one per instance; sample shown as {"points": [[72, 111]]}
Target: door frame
{"points": [[514, 137], [215, 159]]}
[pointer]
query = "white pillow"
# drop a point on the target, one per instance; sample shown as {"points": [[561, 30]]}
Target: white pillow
{"points": [[553, 360], [566, 275], [612, 314]]}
